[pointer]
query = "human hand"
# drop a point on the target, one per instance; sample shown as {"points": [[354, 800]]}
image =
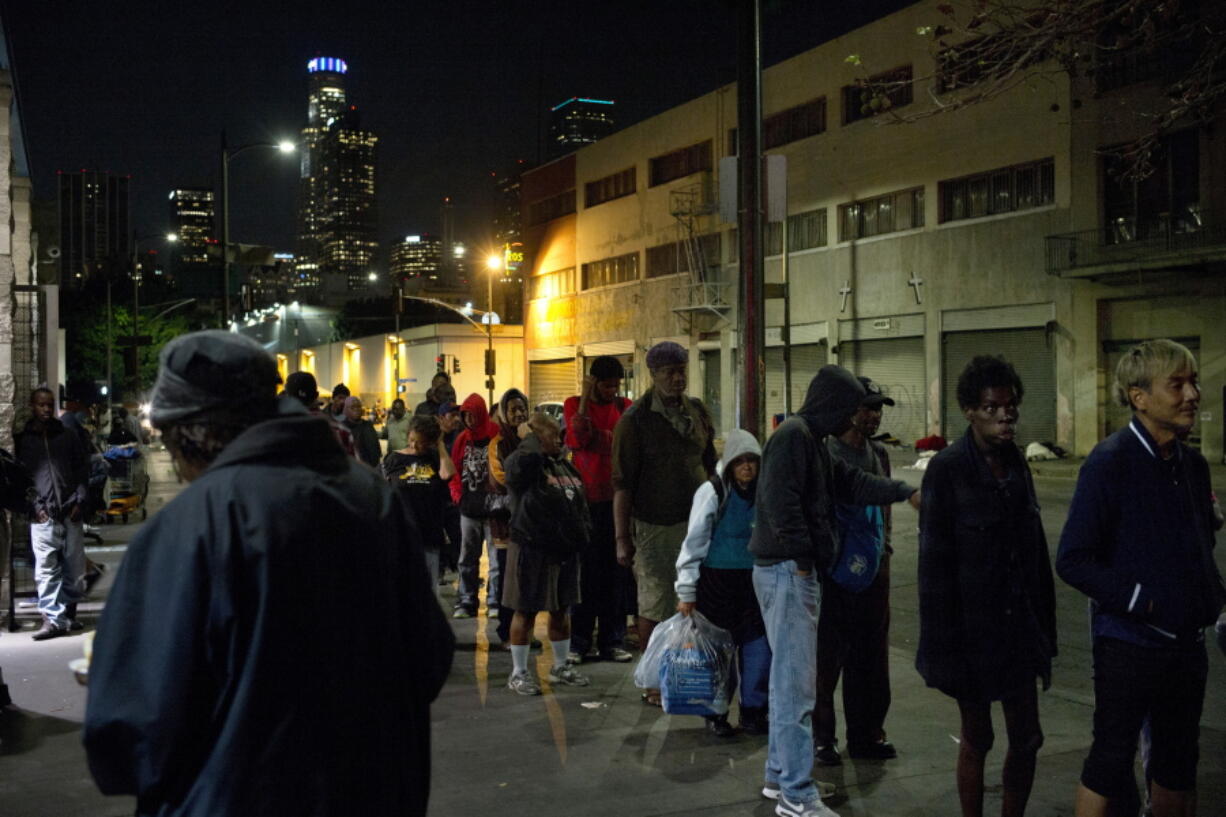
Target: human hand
{"points": [[685, 608], [523, 430], [914, 500], [625, 552]]}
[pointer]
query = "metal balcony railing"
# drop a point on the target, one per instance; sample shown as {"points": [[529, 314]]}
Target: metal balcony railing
{"points": [[1193, 233]]}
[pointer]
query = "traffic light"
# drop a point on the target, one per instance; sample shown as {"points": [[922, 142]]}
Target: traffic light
{"points": [[440, 363], [455, 365], [491, 362]]}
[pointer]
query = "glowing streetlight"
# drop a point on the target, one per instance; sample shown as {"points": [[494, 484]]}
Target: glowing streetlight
{"points": [[374, 276], [286, 146]]}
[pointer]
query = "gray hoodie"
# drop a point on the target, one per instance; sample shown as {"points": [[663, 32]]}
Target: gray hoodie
{"points": [[705, 513], [800, 482]]}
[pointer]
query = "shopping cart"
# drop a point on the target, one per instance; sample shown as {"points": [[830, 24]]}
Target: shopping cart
{"points": [[128, 485]]}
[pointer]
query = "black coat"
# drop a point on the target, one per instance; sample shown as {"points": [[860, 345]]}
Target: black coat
{"points": [[58, 462], [800, 482], [225, 677], [987, 599]]}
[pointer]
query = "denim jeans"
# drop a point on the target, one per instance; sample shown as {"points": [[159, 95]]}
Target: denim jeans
{"points": [[790, 603], [472, 533], [59, 567], [753, 660]]}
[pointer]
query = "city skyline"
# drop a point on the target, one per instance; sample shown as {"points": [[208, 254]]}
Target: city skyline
{"points": [[470, 97]]}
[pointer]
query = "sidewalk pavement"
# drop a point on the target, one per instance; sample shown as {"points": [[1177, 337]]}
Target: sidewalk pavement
{"points": [[598, 750]]}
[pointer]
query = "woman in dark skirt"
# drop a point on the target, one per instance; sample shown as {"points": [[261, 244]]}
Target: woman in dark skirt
{"points": [[715, 575], [549, 526]]}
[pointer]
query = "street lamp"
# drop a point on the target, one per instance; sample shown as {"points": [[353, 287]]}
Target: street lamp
{"points": [[493, 264], [228, 153], [136, 242]]}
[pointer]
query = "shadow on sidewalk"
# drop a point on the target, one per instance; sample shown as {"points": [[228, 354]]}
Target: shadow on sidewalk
{"points": [[22, 731]]}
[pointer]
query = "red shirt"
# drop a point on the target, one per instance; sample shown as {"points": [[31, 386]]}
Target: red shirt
{"points": [[590, 437]]}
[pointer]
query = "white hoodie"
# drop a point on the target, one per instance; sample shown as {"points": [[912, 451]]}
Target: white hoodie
{"points": [[703, 512]]}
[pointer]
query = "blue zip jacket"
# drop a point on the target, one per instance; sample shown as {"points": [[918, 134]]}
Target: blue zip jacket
{"points": [[1140, 531]]}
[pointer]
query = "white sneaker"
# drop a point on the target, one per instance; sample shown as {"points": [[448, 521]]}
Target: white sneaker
{"points": [[568, 675], [523, 684], [771, 790], [786, 808]]}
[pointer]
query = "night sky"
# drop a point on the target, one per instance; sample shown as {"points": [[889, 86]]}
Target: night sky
{"points": [[452, 88]]}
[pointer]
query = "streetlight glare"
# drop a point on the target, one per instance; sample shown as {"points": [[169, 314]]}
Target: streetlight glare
{"points": [[287, 147], [374, 276], [493, 262], [172, 237]]}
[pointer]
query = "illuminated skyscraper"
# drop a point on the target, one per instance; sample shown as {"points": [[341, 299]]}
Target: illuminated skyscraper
{"points": [[417, 256], [191, 219], [349, 238], [577, 122], [336, 205]]}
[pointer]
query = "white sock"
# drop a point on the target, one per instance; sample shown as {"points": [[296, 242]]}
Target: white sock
{"points": [[560, 649], [519, 659]]}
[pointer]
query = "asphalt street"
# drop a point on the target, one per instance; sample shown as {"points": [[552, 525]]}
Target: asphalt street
{"points": [[598, 750]]}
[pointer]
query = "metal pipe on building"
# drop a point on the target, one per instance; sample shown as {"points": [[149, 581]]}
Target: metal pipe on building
{"points": [[750, 306]]}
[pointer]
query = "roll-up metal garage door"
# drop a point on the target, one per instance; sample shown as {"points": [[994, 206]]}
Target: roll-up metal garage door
{"points": [[551, 380], [1032, 356], [1116, 415], [807, 358], [897, 365]]}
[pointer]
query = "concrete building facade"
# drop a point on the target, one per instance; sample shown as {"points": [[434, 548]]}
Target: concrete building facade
{"points": [[1000, 228]]}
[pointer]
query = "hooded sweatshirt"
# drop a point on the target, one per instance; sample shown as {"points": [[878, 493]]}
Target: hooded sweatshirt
{"points": [[706, 514], [800, 482], [471, 451]]}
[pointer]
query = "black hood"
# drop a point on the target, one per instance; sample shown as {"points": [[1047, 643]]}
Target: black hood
{"points": [[834, 395]]}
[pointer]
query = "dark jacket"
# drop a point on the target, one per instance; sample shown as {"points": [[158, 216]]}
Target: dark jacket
{"points": [[222, 684], [58, 462], [365, 442], [800, 482], [658, 465], [987, 599], [1140, 530], [559, 489]]}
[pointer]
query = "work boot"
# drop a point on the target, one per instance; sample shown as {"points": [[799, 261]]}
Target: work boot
{"points": [[48, 630], [70, 610], [754, 720]]}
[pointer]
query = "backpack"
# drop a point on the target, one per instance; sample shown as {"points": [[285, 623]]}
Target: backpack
{"points": [[549, 518], [861, 546]]}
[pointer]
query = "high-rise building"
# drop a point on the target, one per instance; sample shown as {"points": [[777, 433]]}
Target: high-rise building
{"points": [[336, 203], [578, 121], [417, 257], [192, 219], [349, 241], [93, 211]]}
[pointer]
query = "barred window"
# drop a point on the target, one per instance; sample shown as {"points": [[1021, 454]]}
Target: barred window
{"points": [[608, 271], [1005, 190], [891, 213], [680, 163], [610, 187], [881, 92], [552, 284], [681, 256]]}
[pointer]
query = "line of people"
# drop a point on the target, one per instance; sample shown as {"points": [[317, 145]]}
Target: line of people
{"points": [[787, 547]]}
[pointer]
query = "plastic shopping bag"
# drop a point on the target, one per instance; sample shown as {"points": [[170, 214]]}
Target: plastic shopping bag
{"points": [[688, 659]]}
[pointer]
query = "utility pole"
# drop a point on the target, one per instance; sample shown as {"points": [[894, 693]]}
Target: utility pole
{"points": [[750, 306]]}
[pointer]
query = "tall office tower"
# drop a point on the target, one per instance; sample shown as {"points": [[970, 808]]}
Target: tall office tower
{"points": [[577, 122], [93, 214], [191, 219], [349, 241], [508, 235], [417, 257], [325, 102]]}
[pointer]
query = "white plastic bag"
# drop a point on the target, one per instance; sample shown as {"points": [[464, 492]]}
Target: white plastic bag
{"points": [[688, 659]]}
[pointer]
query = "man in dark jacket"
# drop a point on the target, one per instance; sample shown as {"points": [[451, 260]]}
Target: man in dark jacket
{"points": [[795, 537], [987, 603], [433, 399], [1139, 542], [209, 692], [663, 449], [58, 461], [854, 627]]}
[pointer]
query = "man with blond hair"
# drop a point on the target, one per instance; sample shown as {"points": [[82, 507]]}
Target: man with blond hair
{"points": [[1139, 543]]}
